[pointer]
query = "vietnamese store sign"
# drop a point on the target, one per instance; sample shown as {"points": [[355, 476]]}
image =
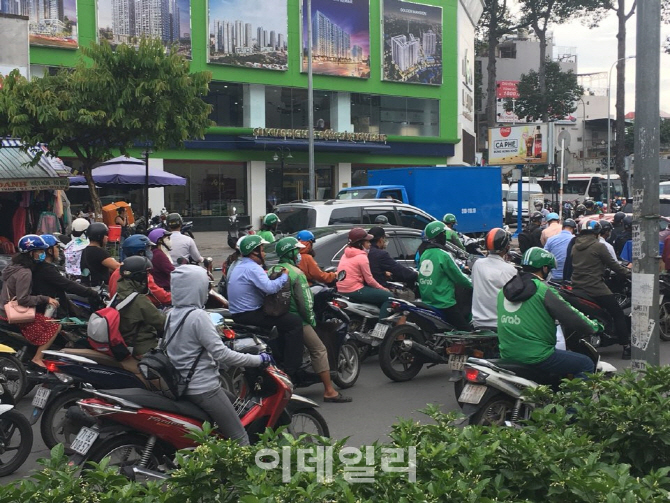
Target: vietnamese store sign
{"points": [[328, 134], [525, 144]]}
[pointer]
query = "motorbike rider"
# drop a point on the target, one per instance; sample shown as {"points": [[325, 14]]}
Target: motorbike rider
{"points": [[590, 207], [307, 262], [489, 275], [139, 245], [198, 340], [382, 265], [580, 210], [617, 224], [439, 276], [539, 207], [589, 260], [161, 261], [599, 207], [17, 279], [381, 220], [141, 322], [76, 245], [121, 220], [624, 236], [302, 304], [269, 227], [528, 310], [553, 227], [359, 285], [558, 246], [247, 287], [605, 232], [531, 236], [182, 246], [96, 263], [449, 220]]}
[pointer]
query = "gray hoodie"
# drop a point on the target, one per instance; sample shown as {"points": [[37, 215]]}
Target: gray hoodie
{"points": [[17, 282], [190, 286]]}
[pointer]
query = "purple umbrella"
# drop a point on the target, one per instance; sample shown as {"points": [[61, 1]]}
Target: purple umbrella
{"points": [[128, 171]]}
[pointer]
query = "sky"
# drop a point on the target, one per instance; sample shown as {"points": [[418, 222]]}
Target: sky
{"points": [[597, 51]]}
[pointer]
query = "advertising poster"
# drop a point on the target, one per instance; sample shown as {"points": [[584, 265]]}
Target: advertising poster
{"points": [[340, 37], [127, 21], [249, 33], [525, 144], [52, 23], [412, 42]]}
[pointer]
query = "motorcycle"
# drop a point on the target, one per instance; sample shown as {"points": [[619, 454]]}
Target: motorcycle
{"points": [[664, 310], [493, 390], [13, 372], [235, 232], [141, 429], [16, 435]]}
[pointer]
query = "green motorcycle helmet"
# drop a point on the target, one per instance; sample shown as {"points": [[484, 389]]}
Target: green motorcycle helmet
{"points": [[270, 219], [537, 258], [250, 243], [449, 219], [286, 245], [434, 229]]}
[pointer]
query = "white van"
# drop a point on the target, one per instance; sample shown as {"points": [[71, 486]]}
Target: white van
{"points": [[531, 192], [582, 186]]}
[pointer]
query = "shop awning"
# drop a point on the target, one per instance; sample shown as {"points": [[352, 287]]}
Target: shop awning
{"points": [[17, 174]]}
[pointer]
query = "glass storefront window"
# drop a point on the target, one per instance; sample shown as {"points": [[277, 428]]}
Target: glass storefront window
{"points": [[213, 188], [286, 108], [293, 183], [395, 115], [227, 100]]}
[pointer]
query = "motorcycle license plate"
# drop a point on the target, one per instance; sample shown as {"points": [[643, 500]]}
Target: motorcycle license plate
{"points": [[41, 397], [472, 393], [456, 362], [84, 440], [379, 332]]}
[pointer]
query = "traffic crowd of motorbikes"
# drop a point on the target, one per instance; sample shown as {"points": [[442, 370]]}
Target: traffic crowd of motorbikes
{"points": [[128, 355]]}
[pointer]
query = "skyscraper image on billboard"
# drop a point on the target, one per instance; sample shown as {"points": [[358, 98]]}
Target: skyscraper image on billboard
{"points": [[340, 37], [249, 33], [52, 23], [412, 42], [127, 21]]}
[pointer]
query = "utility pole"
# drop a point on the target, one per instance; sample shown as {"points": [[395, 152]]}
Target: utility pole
{"points": [[644, 317], [310, 105]]}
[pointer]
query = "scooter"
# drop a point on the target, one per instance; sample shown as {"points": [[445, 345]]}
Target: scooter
{"points": [[235, 232], [13, 372], [16, 435]]}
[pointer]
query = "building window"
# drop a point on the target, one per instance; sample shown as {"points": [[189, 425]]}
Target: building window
{"points": [[286, 182], [507, 51], [286, 108], [212, 188], [395, 115], [227, 100]]}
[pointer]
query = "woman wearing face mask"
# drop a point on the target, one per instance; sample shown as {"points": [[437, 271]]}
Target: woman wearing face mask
{"points": [[161, 261], [359, 284], [17, 279]]}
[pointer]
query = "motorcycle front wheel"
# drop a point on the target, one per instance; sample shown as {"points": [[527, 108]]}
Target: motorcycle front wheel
{"points": [[664, 321], [16, 441], [494, 412], [399, 365], [308, 422], [348, 366]]}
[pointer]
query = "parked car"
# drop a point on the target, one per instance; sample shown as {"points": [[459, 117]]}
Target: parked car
{"points": [[299, 215]]}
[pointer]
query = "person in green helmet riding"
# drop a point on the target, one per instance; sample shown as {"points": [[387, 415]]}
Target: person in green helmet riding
{"points": [[528, 310], [452, 236], [439, 276], [269, 227], [302, 304]]}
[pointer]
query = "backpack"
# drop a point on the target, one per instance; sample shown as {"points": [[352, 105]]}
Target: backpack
{"points": [[159, 371], [103, 330], [278, 304]]}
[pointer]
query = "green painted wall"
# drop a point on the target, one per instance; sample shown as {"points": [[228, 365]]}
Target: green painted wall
{"points": [[447, 93]]}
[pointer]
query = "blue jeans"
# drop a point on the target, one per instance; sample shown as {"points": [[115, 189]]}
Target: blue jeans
{"points": [[567, 362]]}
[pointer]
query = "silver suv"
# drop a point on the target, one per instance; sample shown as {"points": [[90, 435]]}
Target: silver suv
{"points": [[299, 215]]}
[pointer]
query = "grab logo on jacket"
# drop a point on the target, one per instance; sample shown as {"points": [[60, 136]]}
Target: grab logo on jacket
{"points": [[510, 320], [426, 268]]}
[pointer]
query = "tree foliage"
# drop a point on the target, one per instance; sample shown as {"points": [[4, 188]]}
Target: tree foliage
{"points": [[112, 100], [556, 102]]}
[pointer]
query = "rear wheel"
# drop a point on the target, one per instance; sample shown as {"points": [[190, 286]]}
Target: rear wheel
{"points": [[495, 412], [16, 441], [348, 366], [124, 450], [54, 422], [399, 365], [308, 422], [664, 321], [17, 379]]}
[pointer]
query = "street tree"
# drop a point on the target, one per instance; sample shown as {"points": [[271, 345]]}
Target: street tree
{"points": [[112, 100], [557, 101]]}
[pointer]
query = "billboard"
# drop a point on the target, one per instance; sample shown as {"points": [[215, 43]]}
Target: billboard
{"points": [[412, 42], [127, 21], [340, 38], [507, 89], [525, 144], [249, 33], [52, 23]]}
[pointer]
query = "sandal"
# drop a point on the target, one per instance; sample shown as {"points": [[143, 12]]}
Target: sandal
{"points": [[339, 398]]}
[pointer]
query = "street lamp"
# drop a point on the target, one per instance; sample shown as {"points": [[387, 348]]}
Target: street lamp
{"points": [[609, 127]]}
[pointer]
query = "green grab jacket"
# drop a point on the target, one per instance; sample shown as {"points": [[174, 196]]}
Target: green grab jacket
{"points": [[302, 299], [438, 277]]}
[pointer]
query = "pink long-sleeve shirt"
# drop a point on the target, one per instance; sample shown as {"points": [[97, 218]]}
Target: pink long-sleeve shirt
{"points": [[357, 266]]}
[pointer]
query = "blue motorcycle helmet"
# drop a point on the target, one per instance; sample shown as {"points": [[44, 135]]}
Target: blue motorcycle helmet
{"points": [[306, 236], [137, 244]]}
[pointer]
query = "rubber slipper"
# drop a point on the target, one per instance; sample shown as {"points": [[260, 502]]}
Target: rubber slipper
{"points": [[339, 398]]}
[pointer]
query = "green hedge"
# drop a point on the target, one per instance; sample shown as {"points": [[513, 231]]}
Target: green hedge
{"points": [[612, 446]]}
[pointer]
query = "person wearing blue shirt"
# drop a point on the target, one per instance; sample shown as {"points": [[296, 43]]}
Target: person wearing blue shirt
{"points": [[248, 285], [558, 246]]}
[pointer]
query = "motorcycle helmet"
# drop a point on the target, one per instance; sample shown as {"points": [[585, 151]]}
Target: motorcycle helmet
{"points": [[137, 244], [449, 219], [381, 220], [136, 269], [31, 242], [590, 227], [589, 204], [628, 222], [569, 222], [174, 220], [238, 243], [358, 234], [581, 209], [605, 226], [537, 258], [306, 236], [434, 229], [599, 204], [618, 217], [538, 205], [156, 235], [552, 216], [536, 216], [250, 243], [285, 247], [79, 226], [97, 232], [270, 219], [51, 240], [497, 240]]}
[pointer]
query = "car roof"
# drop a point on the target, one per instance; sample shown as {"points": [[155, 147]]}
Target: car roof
{"points": [[344, 202], [372, 187]]}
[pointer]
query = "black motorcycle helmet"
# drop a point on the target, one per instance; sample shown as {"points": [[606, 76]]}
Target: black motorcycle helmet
{"points": [[605, 227], [628, 222], [536, 216], [589, 204], [97, 232], [569, 222], [136, 269], [174, 220], [580, 209], [618, 217]]}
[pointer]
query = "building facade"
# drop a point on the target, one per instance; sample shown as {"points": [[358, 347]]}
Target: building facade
{"points": [[256, 154]]}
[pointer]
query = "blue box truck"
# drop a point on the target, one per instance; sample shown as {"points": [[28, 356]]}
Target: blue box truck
{"points": [[473, 194]]}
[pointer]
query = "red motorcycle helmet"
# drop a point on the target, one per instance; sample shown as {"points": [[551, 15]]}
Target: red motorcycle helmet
{"points": [[497, 239]]}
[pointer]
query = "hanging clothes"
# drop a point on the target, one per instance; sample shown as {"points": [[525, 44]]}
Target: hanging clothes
{"points": [[19, 224], [47, 223]]}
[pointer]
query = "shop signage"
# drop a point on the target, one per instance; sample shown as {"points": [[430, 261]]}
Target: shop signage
{"points": [[328, 134], [27, 184]]}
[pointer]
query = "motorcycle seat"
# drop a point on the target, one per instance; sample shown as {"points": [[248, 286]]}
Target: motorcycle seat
{"points": [[268, 333], [527, 372], [152, 400], [129, 364]]}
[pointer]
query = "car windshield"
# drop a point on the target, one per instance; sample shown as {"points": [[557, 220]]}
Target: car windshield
{"points": [[664, 189], [358, 194], [295, 218]]}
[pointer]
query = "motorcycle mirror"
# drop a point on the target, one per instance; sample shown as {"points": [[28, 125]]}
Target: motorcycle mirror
{"points": [[341, 275]]}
